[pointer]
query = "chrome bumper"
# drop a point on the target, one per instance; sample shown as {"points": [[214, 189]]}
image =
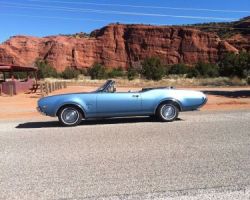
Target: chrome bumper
{"points": [[40, 111]]}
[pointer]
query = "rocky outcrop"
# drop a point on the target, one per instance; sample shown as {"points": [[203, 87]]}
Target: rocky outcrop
{"points": [[240, 42], [118, 46]]}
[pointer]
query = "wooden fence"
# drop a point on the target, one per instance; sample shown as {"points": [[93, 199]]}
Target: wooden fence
{"points": [[48, 87], [43, 87]]}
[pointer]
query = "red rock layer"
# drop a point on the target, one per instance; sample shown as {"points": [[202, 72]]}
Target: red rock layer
{"points": [[117, 46]]}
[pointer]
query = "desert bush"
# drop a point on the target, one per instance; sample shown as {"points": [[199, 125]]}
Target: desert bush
{"points": [[192, 72], [248, 80], [179, 69], [84, 71], [152, 69], [228, 65], [45, 70], [235, 65], [115, 72], [207, 70], [70, 73], [97, 71], [132, 73]]}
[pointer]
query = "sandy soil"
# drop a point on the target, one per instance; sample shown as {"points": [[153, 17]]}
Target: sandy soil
{"points": [[24, 105]]}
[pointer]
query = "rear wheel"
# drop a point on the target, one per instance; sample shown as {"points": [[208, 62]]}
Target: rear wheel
{"points": [[70, 116], [167, 112]]}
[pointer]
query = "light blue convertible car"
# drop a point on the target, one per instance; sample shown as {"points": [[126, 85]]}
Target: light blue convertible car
{"points": [[165, 103]]}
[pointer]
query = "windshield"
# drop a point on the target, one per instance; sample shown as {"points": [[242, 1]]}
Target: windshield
{"points": [[104, 88]]}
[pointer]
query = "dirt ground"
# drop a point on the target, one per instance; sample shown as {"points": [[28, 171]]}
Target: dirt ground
{"points": [[24, 105]]}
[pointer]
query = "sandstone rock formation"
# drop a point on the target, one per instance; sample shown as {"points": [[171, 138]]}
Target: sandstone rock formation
{"points": [[119, 46]]}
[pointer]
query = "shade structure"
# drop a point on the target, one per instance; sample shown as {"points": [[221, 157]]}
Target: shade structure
{"points": [[16, 68], [14, 86]]}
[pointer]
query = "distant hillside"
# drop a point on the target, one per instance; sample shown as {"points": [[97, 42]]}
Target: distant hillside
{"points": [[226, 29]]}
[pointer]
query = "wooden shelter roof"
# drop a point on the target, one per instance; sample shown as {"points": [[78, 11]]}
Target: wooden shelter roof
{"points": [[15, 68]]}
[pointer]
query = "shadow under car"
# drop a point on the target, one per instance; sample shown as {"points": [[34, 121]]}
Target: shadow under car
{"points": [[53, 124]]}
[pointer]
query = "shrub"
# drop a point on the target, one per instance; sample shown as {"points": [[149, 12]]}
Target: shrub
{"points": [[97, 71], [152, 69], [84, 71], [192, 72], [132, 73], [45, 70], [207, 70], [178, 69], [228, 65], [235, 65], [116, 72], [70, 73], [248, 80]]}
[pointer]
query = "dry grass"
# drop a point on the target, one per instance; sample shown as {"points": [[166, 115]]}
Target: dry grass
{"points": [[172, 81]]}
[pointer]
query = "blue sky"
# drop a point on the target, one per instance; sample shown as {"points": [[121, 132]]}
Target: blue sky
{"points": [[50, 17]]}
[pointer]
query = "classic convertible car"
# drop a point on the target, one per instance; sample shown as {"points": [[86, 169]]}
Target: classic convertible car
{"points": [[163, 102]]}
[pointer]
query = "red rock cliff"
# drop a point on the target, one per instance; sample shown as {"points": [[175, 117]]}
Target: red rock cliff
{"points": [[117, 45]]}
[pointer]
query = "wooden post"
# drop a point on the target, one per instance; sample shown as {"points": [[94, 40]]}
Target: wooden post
{"points": [[11, 88], [49, 87], [35, 75], [46, 88], [4, 77], [42, 89]]}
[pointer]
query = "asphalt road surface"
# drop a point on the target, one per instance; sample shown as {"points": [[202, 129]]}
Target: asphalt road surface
{"points": [[203, 155]]}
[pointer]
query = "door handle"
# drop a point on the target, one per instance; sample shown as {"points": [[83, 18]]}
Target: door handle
{"points": [[135, 95]]}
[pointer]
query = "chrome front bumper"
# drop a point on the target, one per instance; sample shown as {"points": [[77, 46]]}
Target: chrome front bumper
{"points": [[40, 111]]}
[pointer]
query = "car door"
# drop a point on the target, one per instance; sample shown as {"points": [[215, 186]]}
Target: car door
{"points": [[118, 104]]}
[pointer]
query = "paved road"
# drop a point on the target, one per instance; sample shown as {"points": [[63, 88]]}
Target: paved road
{"points": [[204, 155]]}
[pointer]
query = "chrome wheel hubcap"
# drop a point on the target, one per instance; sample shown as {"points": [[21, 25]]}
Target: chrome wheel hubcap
{"points": [[70, 115], [168, 112]]}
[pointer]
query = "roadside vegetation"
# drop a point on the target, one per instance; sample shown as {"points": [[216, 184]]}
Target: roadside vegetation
{"points": [[231, 66]]}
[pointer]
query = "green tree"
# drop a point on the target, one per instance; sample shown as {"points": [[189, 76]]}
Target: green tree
{"points": [[97, 71], [152, 69], [70, 73], [45, 70]]}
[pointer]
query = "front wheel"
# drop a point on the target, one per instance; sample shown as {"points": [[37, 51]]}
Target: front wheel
{"points": [[70, 116], [167, 112]]}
